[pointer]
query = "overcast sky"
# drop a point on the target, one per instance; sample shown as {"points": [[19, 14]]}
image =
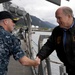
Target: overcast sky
{"points": [[43, 9]]}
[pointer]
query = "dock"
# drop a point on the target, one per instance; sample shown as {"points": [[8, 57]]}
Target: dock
{"points": [[15, 68]]}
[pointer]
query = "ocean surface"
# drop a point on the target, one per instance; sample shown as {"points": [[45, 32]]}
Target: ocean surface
{"points": [[54, 66]]}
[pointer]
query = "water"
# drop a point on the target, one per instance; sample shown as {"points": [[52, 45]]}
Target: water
{"points": [[53, 56]]}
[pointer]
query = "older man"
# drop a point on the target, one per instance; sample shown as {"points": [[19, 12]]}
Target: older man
{"points": [[62, 40], [9, 44]]}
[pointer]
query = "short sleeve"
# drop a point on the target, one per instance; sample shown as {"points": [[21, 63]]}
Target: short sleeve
{"points": [[16, 48]]}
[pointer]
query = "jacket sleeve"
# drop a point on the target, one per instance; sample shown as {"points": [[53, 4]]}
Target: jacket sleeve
{"points": [[47, 48]]}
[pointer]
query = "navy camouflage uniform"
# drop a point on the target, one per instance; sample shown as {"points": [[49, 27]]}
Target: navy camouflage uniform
{"points": [[9, 45]]}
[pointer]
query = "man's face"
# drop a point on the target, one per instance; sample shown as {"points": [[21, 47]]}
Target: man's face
{"points": [[62, 19], [10, 25]]}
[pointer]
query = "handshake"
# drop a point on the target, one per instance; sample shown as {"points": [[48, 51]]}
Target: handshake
{"points": [[37, 62], [29, 62]]}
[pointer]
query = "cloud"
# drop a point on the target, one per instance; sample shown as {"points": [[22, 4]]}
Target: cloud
{"points": [[1, 7]]}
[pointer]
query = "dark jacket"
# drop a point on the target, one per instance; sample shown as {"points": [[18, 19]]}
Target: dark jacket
{"points": [[55, 42]]}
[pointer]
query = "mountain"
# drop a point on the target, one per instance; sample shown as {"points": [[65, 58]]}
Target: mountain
{"points": [[37, 22]]}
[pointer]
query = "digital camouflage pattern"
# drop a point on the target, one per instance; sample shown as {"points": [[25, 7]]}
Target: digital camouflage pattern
{"points": [[9, 45]]}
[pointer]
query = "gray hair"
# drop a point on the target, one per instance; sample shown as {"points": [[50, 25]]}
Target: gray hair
{"points": [[67, 11]]}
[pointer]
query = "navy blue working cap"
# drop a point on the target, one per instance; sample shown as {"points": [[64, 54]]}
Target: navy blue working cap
{"points": [[6, 14]]}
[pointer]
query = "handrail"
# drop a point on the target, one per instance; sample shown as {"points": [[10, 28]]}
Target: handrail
{"points": [[41, 67]]}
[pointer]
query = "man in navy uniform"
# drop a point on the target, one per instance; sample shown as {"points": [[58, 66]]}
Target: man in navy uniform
{"points": [[10, 45]]}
